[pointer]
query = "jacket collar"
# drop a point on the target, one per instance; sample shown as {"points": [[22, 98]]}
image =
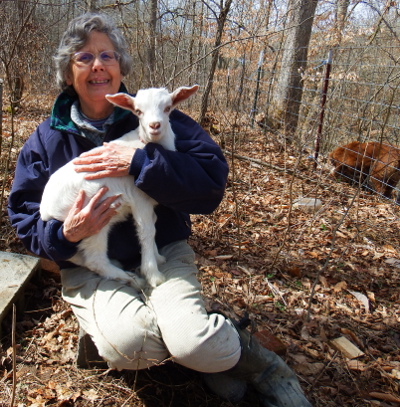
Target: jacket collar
{"points": [[61, 112]]}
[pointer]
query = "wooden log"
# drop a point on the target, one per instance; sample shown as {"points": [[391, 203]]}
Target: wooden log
{"points": [[347, 348]]}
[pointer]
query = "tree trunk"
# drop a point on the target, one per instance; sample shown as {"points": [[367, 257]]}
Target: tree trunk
{"points": [[289, 90], [151, 52], [340, 19], [224, 11]]}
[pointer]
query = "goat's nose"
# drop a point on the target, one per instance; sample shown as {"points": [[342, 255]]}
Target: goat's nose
{"points": [[155, 125]]}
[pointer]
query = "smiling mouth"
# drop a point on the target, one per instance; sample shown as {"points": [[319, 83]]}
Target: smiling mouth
{"points": [[99, 82]]}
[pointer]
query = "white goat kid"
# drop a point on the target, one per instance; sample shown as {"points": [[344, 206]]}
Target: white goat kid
{"points": [[153, 107]]}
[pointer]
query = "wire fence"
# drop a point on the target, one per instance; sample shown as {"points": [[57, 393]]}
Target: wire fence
{"points": [[357, 101]]}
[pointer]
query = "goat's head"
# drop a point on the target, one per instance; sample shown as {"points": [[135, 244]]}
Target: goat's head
{"points": [[152, 106]]}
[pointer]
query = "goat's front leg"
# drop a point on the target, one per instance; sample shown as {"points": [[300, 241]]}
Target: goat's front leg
{"points": [[145, 222], [160, 259]]}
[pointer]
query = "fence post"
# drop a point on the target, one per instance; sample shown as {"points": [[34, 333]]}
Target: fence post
{"points": [[1, 142], [1, 114], [323, 101], [228, 84], [1, 111], [259, 70]]}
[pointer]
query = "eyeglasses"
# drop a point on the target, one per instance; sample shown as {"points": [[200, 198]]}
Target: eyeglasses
{"points": [[87, 58]]}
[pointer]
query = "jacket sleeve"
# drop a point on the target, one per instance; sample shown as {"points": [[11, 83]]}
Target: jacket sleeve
{"points": [[191, 179], [33, 170]]}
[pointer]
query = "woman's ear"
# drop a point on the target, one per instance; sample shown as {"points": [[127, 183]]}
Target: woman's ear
{"points": [[68, 78]]}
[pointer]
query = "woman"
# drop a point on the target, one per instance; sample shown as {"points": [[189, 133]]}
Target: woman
{"points": [[136, 330]]}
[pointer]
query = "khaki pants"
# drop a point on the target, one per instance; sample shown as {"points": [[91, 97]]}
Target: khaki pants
{"points": [[136, 330]]}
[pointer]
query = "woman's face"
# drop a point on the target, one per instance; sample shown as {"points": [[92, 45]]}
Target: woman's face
{"points": [[95, 80]]}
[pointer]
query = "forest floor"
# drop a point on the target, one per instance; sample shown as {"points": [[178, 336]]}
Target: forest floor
{"points": [[307, 277]]}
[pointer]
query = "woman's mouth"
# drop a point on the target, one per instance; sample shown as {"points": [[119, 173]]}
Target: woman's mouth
{"points": [[98, 81]]}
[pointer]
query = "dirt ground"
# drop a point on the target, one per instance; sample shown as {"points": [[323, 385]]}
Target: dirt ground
{"points": [[306, 277]]}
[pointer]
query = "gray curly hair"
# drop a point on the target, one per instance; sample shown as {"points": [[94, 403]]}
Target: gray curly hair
{"points": [[76, 36]]}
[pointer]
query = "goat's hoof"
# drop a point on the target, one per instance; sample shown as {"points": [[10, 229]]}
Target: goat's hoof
{"points": [[156, 280], [138, 283], [161, 259], [134, 281]]}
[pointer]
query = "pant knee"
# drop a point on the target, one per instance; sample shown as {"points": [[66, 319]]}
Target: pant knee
{"points": [[206, 358], [132, 353], [206, 351]]}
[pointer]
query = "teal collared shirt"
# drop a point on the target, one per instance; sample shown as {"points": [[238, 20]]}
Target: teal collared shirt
{"points": [[61, 113]]}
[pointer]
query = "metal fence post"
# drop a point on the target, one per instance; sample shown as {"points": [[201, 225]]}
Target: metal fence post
{"points": [[1, 143], [323, 101], [1, 114], [1, 111]]}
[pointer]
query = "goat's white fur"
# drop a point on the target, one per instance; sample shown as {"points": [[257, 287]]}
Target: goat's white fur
{"points": [[152, 106]]}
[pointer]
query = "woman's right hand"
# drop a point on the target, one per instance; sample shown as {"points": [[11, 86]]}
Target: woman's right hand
{"points": [[83, 222]]}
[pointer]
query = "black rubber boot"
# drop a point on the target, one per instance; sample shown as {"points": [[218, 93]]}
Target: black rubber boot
{"points": [[224, 386], [275, 383]]}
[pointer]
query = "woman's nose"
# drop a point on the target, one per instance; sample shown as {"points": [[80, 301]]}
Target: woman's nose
{"points": [[97, 63]]}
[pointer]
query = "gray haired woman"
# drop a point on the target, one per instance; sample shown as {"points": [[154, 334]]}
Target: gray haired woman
{"points": [[131, 329]]}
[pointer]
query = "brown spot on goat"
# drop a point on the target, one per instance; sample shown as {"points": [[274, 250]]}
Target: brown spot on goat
{"points": [[373, 164]]}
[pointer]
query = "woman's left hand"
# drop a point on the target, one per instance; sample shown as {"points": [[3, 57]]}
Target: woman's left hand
{"points": [[109, 160]]}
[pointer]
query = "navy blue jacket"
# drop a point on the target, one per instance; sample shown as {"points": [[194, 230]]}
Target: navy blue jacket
{"points": [[190, 180]]}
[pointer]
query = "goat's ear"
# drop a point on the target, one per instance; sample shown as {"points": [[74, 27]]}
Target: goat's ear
{"points": [[183, 93], [122, 100]]}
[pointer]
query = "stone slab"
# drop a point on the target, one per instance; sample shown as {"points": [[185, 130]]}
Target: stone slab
{"points": [[15, 272]]}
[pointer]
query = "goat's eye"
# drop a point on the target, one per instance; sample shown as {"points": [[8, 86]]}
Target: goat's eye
{"points": [[167, 109], [138, 112]]}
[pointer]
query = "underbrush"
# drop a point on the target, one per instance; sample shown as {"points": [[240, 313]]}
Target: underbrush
{"points": [[307, 277]]}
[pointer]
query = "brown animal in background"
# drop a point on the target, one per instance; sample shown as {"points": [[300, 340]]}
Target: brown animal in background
{"points": [[376, 165]]}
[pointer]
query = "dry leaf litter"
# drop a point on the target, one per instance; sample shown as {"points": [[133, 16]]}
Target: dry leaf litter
{"points": [[322, 281]]}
